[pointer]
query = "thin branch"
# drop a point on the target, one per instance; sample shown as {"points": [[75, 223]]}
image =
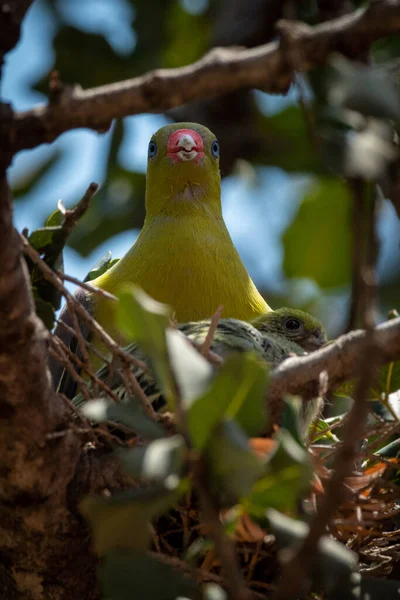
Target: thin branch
{"points": [[341, 360], [206, 347], [73, 215], [220, 71], [50, 275], [87, 286], [298, 566]]}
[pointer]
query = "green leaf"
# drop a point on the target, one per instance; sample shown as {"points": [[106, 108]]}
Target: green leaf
{"points": [[144, 320], [391, 450], [333, 560], [289, 145], [233, 466], [191, 371], [161, 460], [102, 265], [129, 575], [321, 426], [129, 412], [237, 392], [289, 473], [123, 520], [317, 245]]}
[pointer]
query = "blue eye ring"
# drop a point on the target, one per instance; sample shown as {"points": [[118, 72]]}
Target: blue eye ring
{"points": [[215, 148], [152, 151]]}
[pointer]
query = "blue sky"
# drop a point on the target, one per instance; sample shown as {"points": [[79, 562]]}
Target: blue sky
{"points": [[273, 197]]}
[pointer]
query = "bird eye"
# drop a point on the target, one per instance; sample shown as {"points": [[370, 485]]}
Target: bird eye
{"points": [[215, 149], [293, 324], [152, 149]]}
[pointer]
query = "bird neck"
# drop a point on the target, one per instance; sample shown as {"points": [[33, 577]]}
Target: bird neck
{"points": [[189, 262], [175, 195]]}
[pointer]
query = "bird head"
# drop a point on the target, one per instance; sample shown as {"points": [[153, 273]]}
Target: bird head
{"points": [[296, 325], [183, 171]]}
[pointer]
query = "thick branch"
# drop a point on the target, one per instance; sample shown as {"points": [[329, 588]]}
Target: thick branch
{"points": [[341, 361], [220, 71]]}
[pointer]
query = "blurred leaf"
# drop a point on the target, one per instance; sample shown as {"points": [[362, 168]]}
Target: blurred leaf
{"points": [[290, 147], [102, 265], [30, 177], [74, 53], [123, 520], [391, 450], [129, 575], [192, 372], [237, 392], [233, 466], [357, 587], [144, 320], [289, 473], [386, 48], [333, 560], [188, 36], [317, 245], [128, 412], [387, 380], [364, 89], [161, 460]]}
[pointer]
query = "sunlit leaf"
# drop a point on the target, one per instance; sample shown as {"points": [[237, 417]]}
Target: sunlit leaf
{"points": [[102, 265], [237, 392]]}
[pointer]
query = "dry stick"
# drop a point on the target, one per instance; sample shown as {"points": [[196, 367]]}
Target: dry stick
{"points": [[296, 569], [73, 215], [78, 333], [59, 355], [221, 71], [50, 275], [74, 358], [87, 286], [90, 346], [206, 347]]}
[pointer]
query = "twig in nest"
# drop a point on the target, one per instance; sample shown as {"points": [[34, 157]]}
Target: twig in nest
{"points": [[205, 349], [59, 355], [74, 358]]}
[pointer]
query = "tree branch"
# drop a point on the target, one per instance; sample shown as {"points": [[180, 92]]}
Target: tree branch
{"points": [[220, 71], [341, 361]]}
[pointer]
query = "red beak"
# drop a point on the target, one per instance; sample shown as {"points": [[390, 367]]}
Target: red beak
{"points": [[185, 145]]}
